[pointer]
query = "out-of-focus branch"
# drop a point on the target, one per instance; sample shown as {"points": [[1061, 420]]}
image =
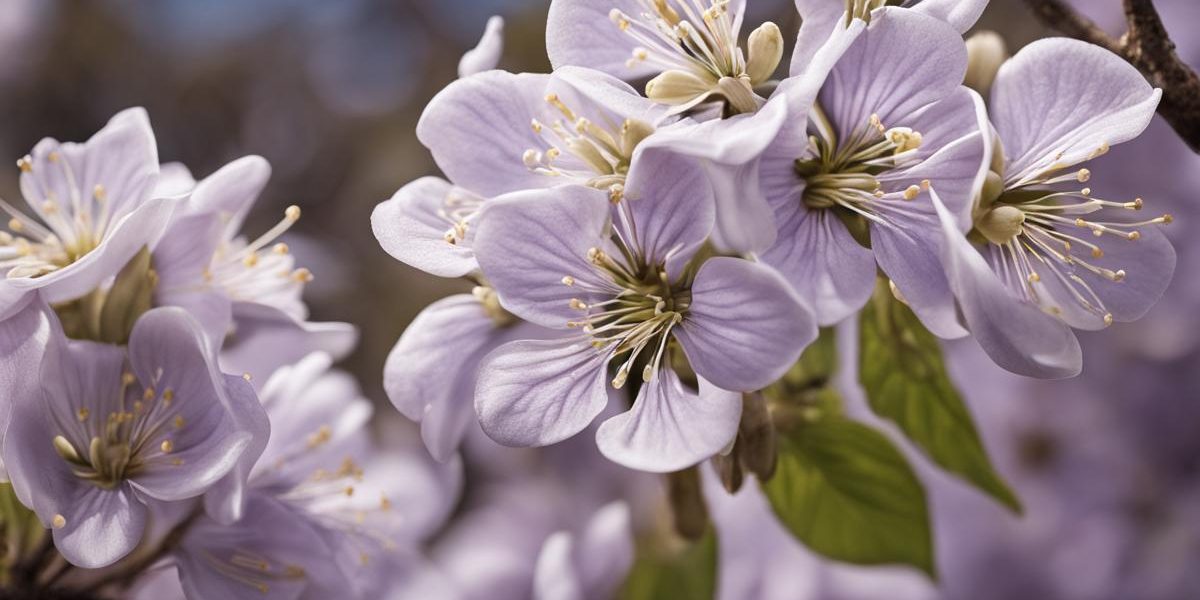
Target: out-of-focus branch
{"points": [[1147, 47]]}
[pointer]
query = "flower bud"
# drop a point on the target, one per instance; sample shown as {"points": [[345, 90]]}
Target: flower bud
{"points": [[687, 503], [766, 50], [985, 53], [739, 94]]}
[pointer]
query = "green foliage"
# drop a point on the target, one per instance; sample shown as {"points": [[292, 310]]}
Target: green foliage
{"points": [[680, 571], [904, 376], [847, 493]]}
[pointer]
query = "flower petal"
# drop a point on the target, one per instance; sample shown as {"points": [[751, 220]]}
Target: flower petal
{"points": [[478, 131], [101, 526], [660, 188], [670, 428], [168, 350], [231, 191], [266, 338], [139, 229], [745, 327], [819, 18], [902, 62], [554, 576], [1015, 334], [580, 33], [23, 339], [430, 373], [604, 551], [909, 253], [527, 242], [410, 228], [536, 393], [1058, 101], [960, 14], [816, 254], [121, 158], [485, 55]]}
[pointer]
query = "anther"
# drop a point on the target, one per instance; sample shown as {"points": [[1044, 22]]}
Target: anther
{"points": [[911, 192], [568, 280], [58, 522], [292, 213], [1083, 175], [167, 446], [99, 193], [25, 163], [1108, 319], [82, 414]]}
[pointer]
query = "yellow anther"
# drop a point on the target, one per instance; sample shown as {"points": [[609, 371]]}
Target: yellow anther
{"points": [[1083, 175], [167, 446], [58, 522], [280, 249], [912, 192], [178, 422], [292, 213], [99, 193], [25, 163], [82, 414], [1108, 319]]}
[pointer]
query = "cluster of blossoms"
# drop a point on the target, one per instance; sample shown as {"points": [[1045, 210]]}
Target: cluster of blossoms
{"points": [[686, 243], [169, 409]]}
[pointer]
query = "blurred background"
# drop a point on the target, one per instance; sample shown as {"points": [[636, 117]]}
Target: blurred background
{"points": [[330, 93]]}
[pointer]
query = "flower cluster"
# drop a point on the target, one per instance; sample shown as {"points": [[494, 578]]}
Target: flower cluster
{"points": [[167, 402], [663, 213]]}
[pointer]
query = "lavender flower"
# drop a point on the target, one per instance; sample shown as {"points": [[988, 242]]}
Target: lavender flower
{"points": [[497, 132], [111, 431], [849, 190], [249, 290], [94, 210], [1037, 273], [628, 280], [818, 19], [691, 46], [324, 512]]}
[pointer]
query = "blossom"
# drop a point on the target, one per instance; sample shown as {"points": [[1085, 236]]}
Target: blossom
{"points": [[628, 281], [94, 209], [325, 511], [818, 18], [498, 132], [245, 289], [113, 430], [692, 48], [849, 186], [1030, 271]]}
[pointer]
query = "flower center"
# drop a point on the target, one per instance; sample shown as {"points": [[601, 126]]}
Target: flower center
{"points": [[259, 270], [639, 303], [70, 228], [695, 44], [1037, 231], [842, 173], [107, 449], [601, 153]]}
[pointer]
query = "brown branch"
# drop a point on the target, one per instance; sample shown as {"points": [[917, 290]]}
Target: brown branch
{"points": [[1147, 47]]}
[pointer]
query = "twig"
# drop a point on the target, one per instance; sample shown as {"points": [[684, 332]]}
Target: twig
{"points": [[1147, 47]]}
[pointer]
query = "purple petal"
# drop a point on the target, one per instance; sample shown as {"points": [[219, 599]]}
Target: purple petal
{"points": [[960, 14], [820, 20], [225, 500], [661, 187], [826, 267], [478, 129], [527, 242], [670, 428], [231, 191], [1015, 334], [122, 158], [554, 576], [909, 253], [168, 350], [485, 55], [140, 228], [536, 393], [181, 260], [409, 228], [580, 33], [430, 374], [745, 327], [604, 552], [902, 62], [101, 526], [23, 340], [265, 339], [1058, 101]]}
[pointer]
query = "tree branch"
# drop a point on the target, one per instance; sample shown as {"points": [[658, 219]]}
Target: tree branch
{"points": [[1147, 47]]}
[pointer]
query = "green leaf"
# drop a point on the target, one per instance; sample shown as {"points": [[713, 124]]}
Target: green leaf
{"points": [[847, 493], [904, 376], [679, 571]]}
